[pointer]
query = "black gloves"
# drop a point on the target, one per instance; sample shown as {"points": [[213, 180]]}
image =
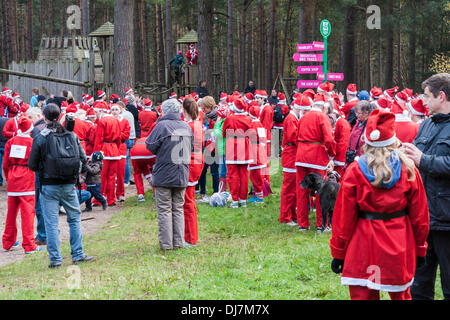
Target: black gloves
{"points": [[420, 261], [337, 265]]}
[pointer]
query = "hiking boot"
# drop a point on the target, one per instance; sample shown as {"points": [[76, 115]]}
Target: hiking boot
{"points": [[54, 265], [104, 206], [41, 242], [87, 210], [84, 259]]}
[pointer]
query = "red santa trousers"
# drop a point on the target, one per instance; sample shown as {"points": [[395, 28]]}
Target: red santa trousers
{"points": [[364, 293], [141, 167], [120, 189], [258, 181], [288, 201], [303, 198], [190, 216], [266, 170], [238, 181], [26, 206], [109, 173]]}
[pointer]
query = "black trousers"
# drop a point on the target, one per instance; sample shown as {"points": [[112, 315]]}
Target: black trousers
{"points": [[95, 192], [438, 254]]}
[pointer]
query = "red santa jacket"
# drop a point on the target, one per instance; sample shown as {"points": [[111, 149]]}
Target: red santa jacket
{"points": [[5, 103], [192, 56], [380, 254], [107, 137], [13, 110], [289, 143], [315, 140], [10, 128], [90, 137], [237, 146], [348, 106], [81, 130], [125, 131], [266, 118], [15, 165], [139, 152], [197, 161], [405, 129], [258, 145], [146, 120], [341, 136]]}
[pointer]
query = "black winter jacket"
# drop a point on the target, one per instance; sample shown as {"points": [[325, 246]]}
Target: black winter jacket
{"points": [[3, 140], [433, 139]]}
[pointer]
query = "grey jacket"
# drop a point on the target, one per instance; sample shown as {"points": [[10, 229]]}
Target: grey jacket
{"points": [[171, 142], [433, 139]]}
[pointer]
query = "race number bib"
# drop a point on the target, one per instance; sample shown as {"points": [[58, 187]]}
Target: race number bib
{"points": [[18, 151]]}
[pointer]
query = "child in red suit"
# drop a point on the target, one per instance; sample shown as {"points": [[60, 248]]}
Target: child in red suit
{"points": [[21, 189], [380, 221]]}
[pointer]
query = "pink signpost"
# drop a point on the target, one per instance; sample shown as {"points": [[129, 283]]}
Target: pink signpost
{"points": [[308, 57], [331, 76], [308, 83], [309, 69]]}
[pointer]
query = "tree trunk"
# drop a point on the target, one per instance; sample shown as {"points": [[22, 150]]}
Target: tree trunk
{"points": [[412, 49], [270, 47], [29, 29], [249, 53], [243, 44], [389, 63], [42, 16], [85, 28], [230, 62], [349, 45], [124, 72], [286, 32], [12, 28], [205, 22], [162, 62], [50, 15], [169, 38]]}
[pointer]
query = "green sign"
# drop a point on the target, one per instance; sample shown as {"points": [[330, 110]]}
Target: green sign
{"points": [[325, 28]]}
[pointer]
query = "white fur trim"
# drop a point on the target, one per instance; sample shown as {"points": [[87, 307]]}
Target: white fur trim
{"points": [[375, 286], [142, 157], [191, 184], [339, 163], [289, 170], [380, 144], [414, 111], [310, 165], [18, 194], [257, 167], [112, 158], [238, 161], [402, 118]]}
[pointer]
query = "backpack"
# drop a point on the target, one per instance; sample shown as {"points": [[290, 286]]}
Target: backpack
{"points": [[62, 156], [278, 116]]}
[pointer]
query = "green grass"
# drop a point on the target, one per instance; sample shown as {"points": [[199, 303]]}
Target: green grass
{"points": [[241, 254]]}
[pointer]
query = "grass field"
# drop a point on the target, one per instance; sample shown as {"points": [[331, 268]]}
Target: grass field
{"points": [[241, 254]]}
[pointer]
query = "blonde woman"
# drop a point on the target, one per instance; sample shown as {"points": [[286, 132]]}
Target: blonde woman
{"points": [[380, 221]]}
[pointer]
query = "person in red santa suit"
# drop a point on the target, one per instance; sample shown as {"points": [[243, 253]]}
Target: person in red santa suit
{"points": [[20, 188], [266, 118], [13, 110], [288, 200], [237, 152], [12, 125], [418, 110], [80, 128], [91, 127], [352, 99], [380, 220], [316, 148], [375, 93], [147, 117], [258, 151], [342, 130], [405, 129], [108, 140], [190, 115], [382, 103], [101, 95], [142, 161], [125, 129], [390, 93], [192, 55], [6, 101]]}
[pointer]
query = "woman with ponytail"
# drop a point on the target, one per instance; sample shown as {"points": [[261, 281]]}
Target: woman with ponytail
{"points": [[380, 221]]}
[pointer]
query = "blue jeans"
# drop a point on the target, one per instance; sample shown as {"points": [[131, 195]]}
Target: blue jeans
{"points": [[215, 178], [2, 152], [40, 228], [51, 199], [222, 168], [85, 196], [130, 144], [95, 190]]}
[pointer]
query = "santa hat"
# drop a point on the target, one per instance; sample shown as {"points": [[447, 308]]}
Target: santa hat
{"points": [[100, 106], [326, 87], [25, 126], [115, 106], [402, 97], [417, 107], [195, 96], [24, 108], [191, 45], [90, 113], [173, 95], [114, 97], [148, 103], [400, 111], [254, 112], [261, 94], [336, 101], [128, 91], [72, 109], [100, 93], [159, 109], [181, 99], [83, 97], [298, 95], [223, 96], [239, 105], [390, 93], [380, 130], [351, 89], [281, 98], [319, 99], [383, 104], [303, 103], [16, 95], [90, 100], [230, 99], [375, 93], [222, 111], [6, 90], [249, 97], [309, 93], [408, 92], [236, 94]]}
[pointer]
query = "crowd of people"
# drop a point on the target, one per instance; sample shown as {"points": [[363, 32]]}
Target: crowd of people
{"points": [[389, 148]]}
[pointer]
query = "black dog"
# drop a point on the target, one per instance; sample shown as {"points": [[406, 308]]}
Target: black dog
{"points": [[327, 191]]}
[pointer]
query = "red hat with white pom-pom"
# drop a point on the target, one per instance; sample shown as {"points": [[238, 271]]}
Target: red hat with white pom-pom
{"points": [[383, 104], [25, 125], [390, 93], [254, 111], [303, 103], [326, 87], [376, 93], [239, 105], [351, 89], [173, 95], [380, 130], [222, 111], [417, 107]]}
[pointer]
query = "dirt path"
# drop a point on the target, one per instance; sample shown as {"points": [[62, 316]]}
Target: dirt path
{"points": [[88, 226]]}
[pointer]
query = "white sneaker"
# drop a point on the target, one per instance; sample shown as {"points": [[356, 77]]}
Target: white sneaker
{"points": [[127, 184], [292, 224], [121, 199], [234, 204], [204, 199], [243, 203], [140, 198]]}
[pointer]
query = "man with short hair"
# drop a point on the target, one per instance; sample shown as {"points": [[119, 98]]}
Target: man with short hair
{"points": [[430, 152]]}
